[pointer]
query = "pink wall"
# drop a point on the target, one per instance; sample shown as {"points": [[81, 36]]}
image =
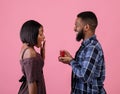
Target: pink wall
{"points": [[58, 18]]}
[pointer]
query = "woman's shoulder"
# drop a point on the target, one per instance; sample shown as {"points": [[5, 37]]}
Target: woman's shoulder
{"points": [[28, 53]]}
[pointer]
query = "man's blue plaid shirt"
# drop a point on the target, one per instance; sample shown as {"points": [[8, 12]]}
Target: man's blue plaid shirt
{"points": [[88, 68]]}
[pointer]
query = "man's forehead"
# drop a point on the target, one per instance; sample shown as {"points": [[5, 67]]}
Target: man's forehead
{"points": [[78, 20]]}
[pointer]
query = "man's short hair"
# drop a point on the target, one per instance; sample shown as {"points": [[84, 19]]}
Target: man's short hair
{"points": [[89, 18]]}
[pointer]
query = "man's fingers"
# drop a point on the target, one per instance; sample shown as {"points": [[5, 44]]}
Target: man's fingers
{"points": [[67, 53], [62, 59]]}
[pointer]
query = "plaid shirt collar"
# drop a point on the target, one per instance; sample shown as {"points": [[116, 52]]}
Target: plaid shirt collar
{"points": [[87, 41]]}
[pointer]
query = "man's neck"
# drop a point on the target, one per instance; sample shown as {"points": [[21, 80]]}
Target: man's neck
{"points": [[87, 36]]}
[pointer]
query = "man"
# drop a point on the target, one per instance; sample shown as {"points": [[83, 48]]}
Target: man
{"points": [[88, 66]]}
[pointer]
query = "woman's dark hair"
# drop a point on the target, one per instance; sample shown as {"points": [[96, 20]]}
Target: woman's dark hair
{"points": [[29, 32], [89, 18]]}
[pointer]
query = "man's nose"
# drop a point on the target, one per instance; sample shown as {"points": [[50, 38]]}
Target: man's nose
{"points": [[75, 29]]}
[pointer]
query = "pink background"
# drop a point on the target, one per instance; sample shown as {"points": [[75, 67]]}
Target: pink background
{"points": [[57, 17]]}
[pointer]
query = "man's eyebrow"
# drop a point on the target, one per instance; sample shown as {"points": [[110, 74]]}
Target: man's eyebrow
{"points": [[76, 23]]}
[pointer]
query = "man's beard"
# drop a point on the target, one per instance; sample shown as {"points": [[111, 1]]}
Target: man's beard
{"points": [[80, 35]]}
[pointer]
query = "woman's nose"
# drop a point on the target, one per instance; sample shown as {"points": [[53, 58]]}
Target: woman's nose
{"points": [[43, 36]]}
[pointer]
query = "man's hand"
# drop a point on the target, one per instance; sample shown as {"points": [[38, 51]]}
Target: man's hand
{"points": [[66, 59]]}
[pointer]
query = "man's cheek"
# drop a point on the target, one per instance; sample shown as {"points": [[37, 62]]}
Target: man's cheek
{"points": [[78, 29]]}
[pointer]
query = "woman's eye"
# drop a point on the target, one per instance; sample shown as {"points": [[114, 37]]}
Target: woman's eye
{"points": [[41, 34]]}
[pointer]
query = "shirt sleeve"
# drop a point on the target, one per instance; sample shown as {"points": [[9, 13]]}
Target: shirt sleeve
{"points": [[85, 67], [31, 70]]}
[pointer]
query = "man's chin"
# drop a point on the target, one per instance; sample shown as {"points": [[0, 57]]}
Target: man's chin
{"points": [[79, 37], [78, 40]]}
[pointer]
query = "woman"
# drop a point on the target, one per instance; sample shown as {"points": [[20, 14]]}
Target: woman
{"points": [[32, 35]]}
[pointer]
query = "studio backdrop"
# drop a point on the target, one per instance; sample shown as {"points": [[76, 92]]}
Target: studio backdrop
{"points": [[58, 19]]}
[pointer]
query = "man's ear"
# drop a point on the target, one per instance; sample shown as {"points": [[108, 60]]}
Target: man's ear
{"points": [[87, 27]]}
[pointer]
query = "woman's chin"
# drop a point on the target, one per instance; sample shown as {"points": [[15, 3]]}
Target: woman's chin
{"points": [[38, 46]]}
